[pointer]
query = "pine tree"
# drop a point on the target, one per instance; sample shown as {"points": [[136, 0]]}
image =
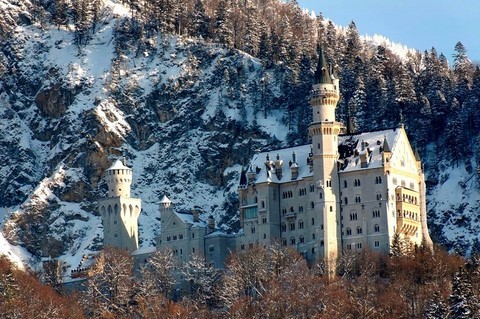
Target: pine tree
{"points": [[223, 30], [252, 38], [435, 307], [199, 21], [462, 301]]}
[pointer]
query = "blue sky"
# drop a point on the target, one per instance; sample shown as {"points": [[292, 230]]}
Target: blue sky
{"points": [[419, 24]]}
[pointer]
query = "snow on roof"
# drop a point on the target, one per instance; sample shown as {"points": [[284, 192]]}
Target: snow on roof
{"points": [[220, 233], [118, 165], [369, 144], [165, 200], [267, 174], [144, 250], [350, 148], [187, 218]]}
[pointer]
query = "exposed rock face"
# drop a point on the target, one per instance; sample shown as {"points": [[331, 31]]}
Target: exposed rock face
{"points": [[54, 101]]}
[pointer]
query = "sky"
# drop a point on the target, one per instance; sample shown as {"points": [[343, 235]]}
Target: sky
{"points": [[418, 24]]}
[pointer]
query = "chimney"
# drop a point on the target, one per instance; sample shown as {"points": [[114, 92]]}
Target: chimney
{"points": [[196, 217], [294, 167], [278, 167], [252, 175], [211, 224]]}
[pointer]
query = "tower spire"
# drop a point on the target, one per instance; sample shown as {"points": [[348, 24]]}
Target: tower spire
{"points": [[322, 73]]}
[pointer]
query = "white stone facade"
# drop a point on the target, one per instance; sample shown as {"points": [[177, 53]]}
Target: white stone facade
{"points": [[119, 211]]}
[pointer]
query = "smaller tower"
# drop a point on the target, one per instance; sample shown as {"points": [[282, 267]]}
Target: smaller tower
{"points": [[119, 211]]}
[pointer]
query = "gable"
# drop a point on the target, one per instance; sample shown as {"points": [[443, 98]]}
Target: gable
{"points": [[403, 157]]}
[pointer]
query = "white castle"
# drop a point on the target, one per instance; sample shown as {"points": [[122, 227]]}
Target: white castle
{"points": [[342, 192]]}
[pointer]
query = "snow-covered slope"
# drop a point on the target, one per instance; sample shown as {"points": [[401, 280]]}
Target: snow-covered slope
{"points": [[185, 114]]}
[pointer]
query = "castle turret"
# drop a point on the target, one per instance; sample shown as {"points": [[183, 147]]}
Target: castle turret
{"points": [[119, 211], [324, 131]]}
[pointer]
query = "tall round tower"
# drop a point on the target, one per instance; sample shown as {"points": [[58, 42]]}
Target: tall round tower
{"points": [[324, 132], [119, 211], [119, 179]]}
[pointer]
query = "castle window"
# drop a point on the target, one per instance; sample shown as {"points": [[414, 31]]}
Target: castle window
{"points": [[283, 227], [377, 243], [320, 195], [321, 226], [300, 224], [264, 220], [292, 226], [313, 221], [349, 246], [263, 204], [115, 235], [329, 183], [345, 184], [300, 209], [312, 205], [255, 199], [242, 246], [312, 188], [378, 179], [284, 242], [359, 245], [313, 250], [349, 231], [356, 183], [346, 200], [193, 235], [302, 239], [379, 196], [331, 208], [359, 230], [174, 237], [322, 243], [168, 238], [193, 250], [181, 251], [313, 236], [318, 145], [284, 211], [251, 212], [253, 229], [292, 241], [302, 192], [264, 236], [180, 236], [376, 228], [376, 214], [358, 199]]}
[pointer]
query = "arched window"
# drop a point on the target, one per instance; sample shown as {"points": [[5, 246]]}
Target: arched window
{"points": [[359, 230], [376, 228], [345, 184], [300, 224], [263, 204], [312, 205], [349, 231], [283, 227], [292, 240]]}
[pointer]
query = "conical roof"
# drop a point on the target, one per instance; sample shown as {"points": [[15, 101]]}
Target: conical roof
{"points": [[386, 147], [118, 164], [322, 74], [165, 200]]}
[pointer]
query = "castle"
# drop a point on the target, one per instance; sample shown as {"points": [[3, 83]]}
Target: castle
{"points": [[343, 192]]}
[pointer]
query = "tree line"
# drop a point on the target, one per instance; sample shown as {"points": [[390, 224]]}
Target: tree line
{"points": [[273, 282]]}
